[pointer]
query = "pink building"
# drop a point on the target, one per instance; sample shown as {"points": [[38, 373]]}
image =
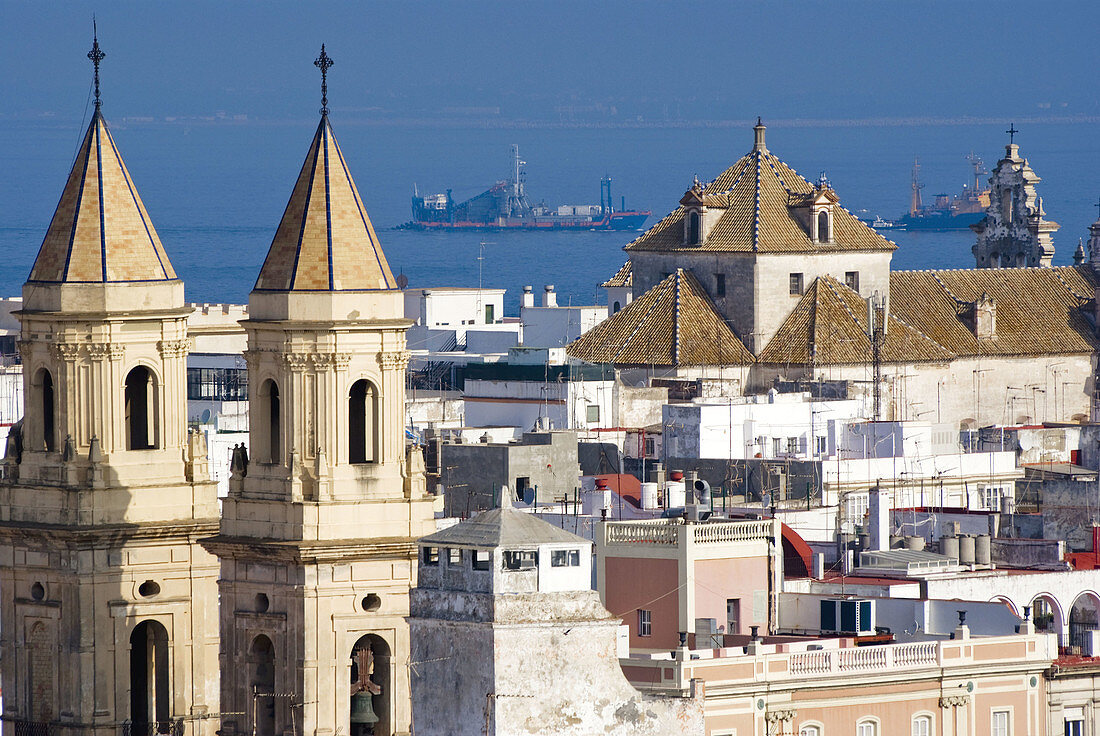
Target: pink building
{"points": [[717, 580]]}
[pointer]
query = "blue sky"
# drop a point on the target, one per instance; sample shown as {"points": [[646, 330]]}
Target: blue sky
{"points": [[616, 62]]}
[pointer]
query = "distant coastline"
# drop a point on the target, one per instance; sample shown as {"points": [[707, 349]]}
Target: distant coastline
{"points": [[442, 121]]}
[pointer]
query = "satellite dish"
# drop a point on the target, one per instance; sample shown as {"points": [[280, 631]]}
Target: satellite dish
{"points": [[402, 281]]}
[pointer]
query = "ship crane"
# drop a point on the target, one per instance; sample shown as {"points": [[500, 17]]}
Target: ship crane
{"points": [[915, 204], [979, 169]]}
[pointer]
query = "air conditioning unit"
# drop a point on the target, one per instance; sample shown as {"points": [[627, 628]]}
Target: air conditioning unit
{"points": [[850, 616]]}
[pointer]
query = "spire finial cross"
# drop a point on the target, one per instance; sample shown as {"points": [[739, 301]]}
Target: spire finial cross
{"points": [[1012, 133], [96, 55], [1097, 205], [324, 62]]}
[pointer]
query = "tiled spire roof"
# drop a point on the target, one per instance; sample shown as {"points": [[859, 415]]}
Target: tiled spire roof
{"points": [[100, 231], [325, 241], [829, 327], [674, 323], [761, 200]]}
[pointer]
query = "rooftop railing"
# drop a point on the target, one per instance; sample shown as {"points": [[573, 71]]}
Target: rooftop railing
{"points": [[667, 532]]}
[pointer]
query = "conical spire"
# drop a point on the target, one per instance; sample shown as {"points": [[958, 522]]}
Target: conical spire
{"points": [[100, 231], [325, 241]]}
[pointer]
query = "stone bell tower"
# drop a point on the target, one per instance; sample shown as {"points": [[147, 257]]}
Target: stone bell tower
{"points": [[317, 538], [109, 608], [1014, 231]]}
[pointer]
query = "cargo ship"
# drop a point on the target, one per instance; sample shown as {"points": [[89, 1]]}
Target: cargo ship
{"points": [[505, 206], [947, 212]]}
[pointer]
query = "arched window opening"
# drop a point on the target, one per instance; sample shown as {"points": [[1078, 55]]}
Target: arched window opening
{"points": [[271, 421], [261, 663], [1083, 620], [362, 423], [616, 308], [150, 694], [369, 709], [693, 229], [49, 421], [1047, 617], [41, 673], [141, 402], [823, 234]]}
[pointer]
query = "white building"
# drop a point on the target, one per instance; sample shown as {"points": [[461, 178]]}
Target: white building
{"points": [[769, 426], [552, 325], [538, 388]]}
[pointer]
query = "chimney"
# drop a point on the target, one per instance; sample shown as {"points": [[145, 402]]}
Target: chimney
{"points": [[528, 298], [549, 297], [758, 143], [878, 511], [985, 317]]}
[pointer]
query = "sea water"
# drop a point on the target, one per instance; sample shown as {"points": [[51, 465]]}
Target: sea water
{"points": [[216, 191]]}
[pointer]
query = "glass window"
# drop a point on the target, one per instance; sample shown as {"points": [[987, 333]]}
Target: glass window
{"points": [[1000, 724], [851, 279], [645, 625], [796, 284], [431, 556], [1075, 727], [693, 229], [565, 558], [454, 556], [821, 447], [867, 728], [481, 559], [990, 497], [525, 560], [792, 445], [809, 731], [593, 414], [217, 384], [922, 726]]}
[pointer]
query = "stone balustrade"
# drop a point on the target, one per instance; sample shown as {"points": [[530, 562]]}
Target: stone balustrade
{"points": [[667, 532]]}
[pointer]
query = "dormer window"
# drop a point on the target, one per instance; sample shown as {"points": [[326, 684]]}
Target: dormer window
{"points": [[693, 228]]}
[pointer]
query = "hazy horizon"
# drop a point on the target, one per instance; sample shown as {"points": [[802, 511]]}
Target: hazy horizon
{"points": [[562, 64]]}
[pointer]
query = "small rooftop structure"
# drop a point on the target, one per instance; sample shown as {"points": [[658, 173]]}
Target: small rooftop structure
{"points": [[904, 561]]}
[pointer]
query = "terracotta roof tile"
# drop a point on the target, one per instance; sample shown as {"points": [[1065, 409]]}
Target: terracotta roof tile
{"points": [[1040, 311], [760, 194], [624, 277], [832, 319], [674, 323]]}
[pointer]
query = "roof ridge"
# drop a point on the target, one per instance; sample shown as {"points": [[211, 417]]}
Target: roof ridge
{"points": [[1079, 297], [950, 293], [648, 311], [676, 317], [828, 282], [937, 343], [756, 207], [778, 177]]}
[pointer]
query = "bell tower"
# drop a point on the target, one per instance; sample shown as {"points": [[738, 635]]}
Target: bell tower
{"points": [[317, 541], [109, 603]]}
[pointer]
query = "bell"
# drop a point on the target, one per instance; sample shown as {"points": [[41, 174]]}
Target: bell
{"points": [[362, 711]]}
